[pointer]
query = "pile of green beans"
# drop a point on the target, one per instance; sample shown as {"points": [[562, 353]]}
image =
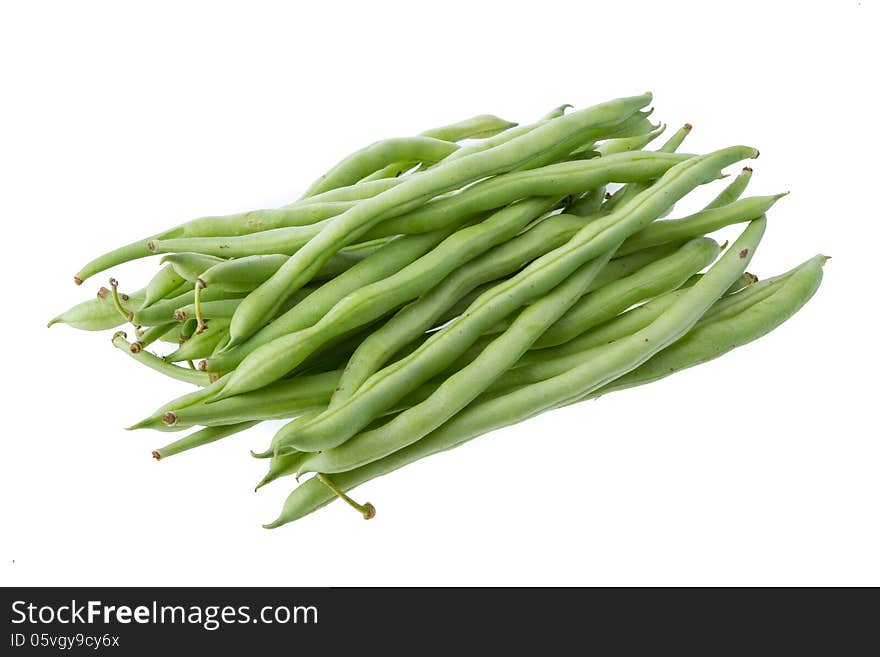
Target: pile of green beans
{"points": [[429, 289]]}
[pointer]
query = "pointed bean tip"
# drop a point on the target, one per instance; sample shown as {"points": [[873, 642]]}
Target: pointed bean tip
{"points": [[54, 320], [274, 524]]}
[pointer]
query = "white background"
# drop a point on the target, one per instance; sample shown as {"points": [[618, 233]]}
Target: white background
{"points": [[121, 118]]}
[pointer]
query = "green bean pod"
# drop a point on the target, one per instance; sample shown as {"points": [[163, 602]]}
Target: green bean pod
{"points": [[154, 362], [163, 311], [202, 344], [202, 437], [262, 304], [99, 314], [356, 192], [615, 297], [551, 180], [151, 335], [283, 399], [387, 386], [700, 223], [476, 127], [626, 144], [733, 191], [378, 155], [395, 171], [190, 266], [162, 284]]}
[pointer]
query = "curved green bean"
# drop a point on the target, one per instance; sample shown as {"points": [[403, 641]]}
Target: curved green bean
{"points": [[199, 438], [733, 191], [558, 179], [378, 155], [201, 344], [163, 283], [99, 314], [154, 362], [190, 266], [700, 223], [476, 127]]}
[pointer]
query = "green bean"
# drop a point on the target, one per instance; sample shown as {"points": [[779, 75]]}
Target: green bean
{"points": [[164, 282], [190, 266], [282, 399], [151, 335], [696, 347], [725, 333], [624, 324], [395, 171], [267, 242], [541, 364], [378, 155], [556, 179], [700, 223], [508, 135], [246, 273], [388, 259], [476, 127], [256, 221], [201, 344], [356, 192], [156, 363], [98, 314], [389, 385], [625, 144], [264, 302], [132, 251], [636, 124], [199, 438], [616, 296], [557, 111], [163, 311], [733, 191], [588, 204], [275, 359], [608, 363], [212, 227]]}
